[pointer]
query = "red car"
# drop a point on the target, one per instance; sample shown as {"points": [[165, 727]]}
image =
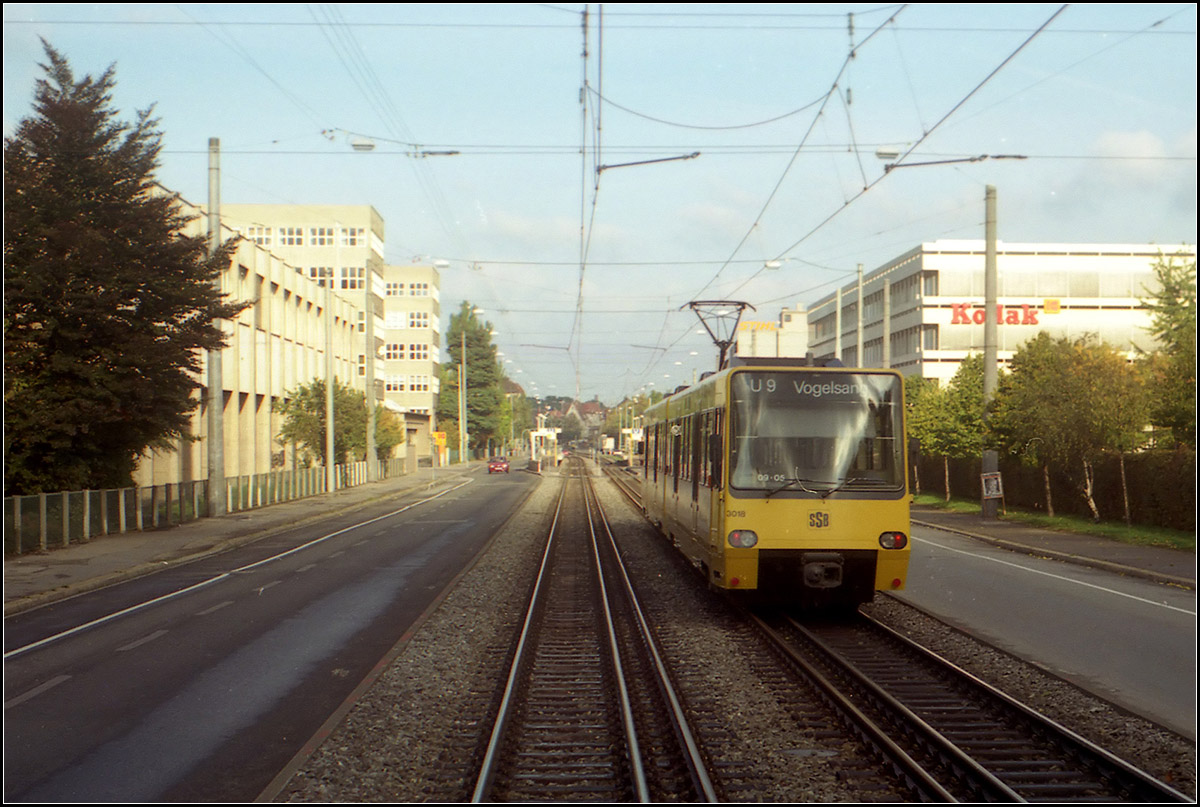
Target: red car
{"points": [[497, 464]]}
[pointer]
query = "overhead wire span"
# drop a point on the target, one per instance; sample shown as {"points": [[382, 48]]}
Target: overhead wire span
{"points": [[914, 145], [795, 155]]}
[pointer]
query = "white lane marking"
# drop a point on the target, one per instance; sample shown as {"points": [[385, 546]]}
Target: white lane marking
{"points": [[101, 620], [215, 608], [37, 690], [150, 637], [307, 568], [1057, 577]]}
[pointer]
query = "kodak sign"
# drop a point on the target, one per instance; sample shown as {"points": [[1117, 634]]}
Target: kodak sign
{"points": [[967, 314]]}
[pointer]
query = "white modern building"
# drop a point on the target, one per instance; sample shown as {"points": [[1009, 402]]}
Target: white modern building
{"points": [[302, 267], [788, 337], [411, 338], [923, 311], [276, 344]]}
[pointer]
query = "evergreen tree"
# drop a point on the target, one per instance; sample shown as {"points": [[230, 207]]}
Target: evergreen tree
{"points": [[484, 397], [106, 304]]}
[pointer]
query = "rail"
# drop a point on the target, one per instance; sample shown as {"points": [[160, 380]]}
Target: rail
{"points": [[585, 685]]}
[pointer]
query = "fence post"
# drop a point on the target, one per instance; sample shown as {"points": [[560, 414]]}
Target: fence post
{"points": [[87, 516], [66, 518], [138, 515], [17, 522], [42, 521]]}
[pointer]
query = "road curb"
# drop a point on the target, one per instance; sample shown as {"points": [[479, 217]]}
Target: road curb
{"points": [[1066, 557]]}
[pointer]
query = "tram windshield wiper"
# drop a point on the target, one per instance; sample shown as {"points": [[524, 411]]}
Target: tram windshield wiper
{"points": [[798, 481]]}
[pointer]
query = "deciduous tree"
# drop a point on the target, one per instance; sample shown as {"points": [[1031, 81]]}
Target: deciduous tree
{"points": [[1171, 371], [106, 304], [1066, 403], [303, 413], [949, 422]]}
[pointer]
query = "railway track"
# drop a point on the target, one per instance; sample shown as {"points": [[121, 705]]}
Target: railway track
{"points": [[976, 742], [942, 732], [588, 710]]}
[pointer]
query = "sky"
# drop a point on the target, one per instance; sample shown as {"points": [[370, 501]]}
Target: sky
{"points": [[586, 171]]}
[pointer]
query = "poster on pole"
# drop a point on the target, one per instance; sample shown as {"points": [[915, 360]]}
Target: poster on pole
{"points": [[993, 486]]}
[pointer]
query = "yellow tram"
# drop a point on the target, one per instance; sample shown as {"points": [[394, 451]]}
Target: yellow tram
{"points": [[786, 479]]}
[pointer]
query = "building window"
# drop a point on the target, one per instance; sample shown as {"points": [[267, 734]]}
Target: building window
{"points": [[395, 289], [291, 236], [419, 289], [418, 319], [259, 235], [320, 236], [930, 337], [354, 277], [394, 384], [418, 383], [353, 237], [320, 274], [418, 352], [362, 365], [393, 352], [929, 283]]}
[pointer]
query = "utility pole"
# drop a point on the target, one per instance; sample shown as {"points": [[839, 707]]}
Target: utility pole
{"points": [[861, 362], [462, 398], [990, 460], [330, 476], [216, 384], [369, 381]]}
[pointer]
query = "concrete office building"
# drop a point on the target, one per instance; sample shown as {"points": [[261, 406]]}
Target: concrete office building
{"points": [[788, 337], [346, 243], [276, 344], [411, 338], [923, 311]]}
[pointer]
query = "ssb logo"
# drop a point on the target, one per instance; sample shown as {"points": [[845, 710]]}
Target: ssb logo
{"points": [[818, 520]]}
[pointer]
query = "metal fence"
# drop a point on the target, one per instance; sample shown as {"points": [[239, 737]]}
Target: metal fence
{"points": [[52, 520]]}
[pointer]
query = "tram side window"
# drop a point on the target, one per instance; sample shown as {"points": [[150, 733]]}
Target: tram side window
{"points": [[712, 443], [684, 443]]}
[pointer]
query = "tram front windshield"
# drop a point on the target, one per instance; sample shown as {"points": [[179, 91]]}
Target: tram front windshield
{"points": [[817, 433]]}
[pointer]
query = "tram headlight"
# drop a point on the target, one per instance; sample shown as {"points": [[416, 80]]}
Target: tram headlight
{"points": [[893, 540], [743, 539]]}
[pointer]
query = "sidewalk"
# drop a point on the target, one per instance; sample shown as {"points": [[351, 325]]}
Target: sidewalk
{"points": [[35, 579], [1173, 566]]}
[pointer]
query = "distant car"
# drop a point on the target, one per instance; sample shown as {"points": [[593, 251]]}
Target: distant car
{"points": [[497, 464]]}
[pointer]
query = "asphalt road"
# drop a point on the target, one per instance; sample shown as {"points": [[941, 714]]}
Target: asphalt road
{"points": [[206, 694], [1129, 640]]}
